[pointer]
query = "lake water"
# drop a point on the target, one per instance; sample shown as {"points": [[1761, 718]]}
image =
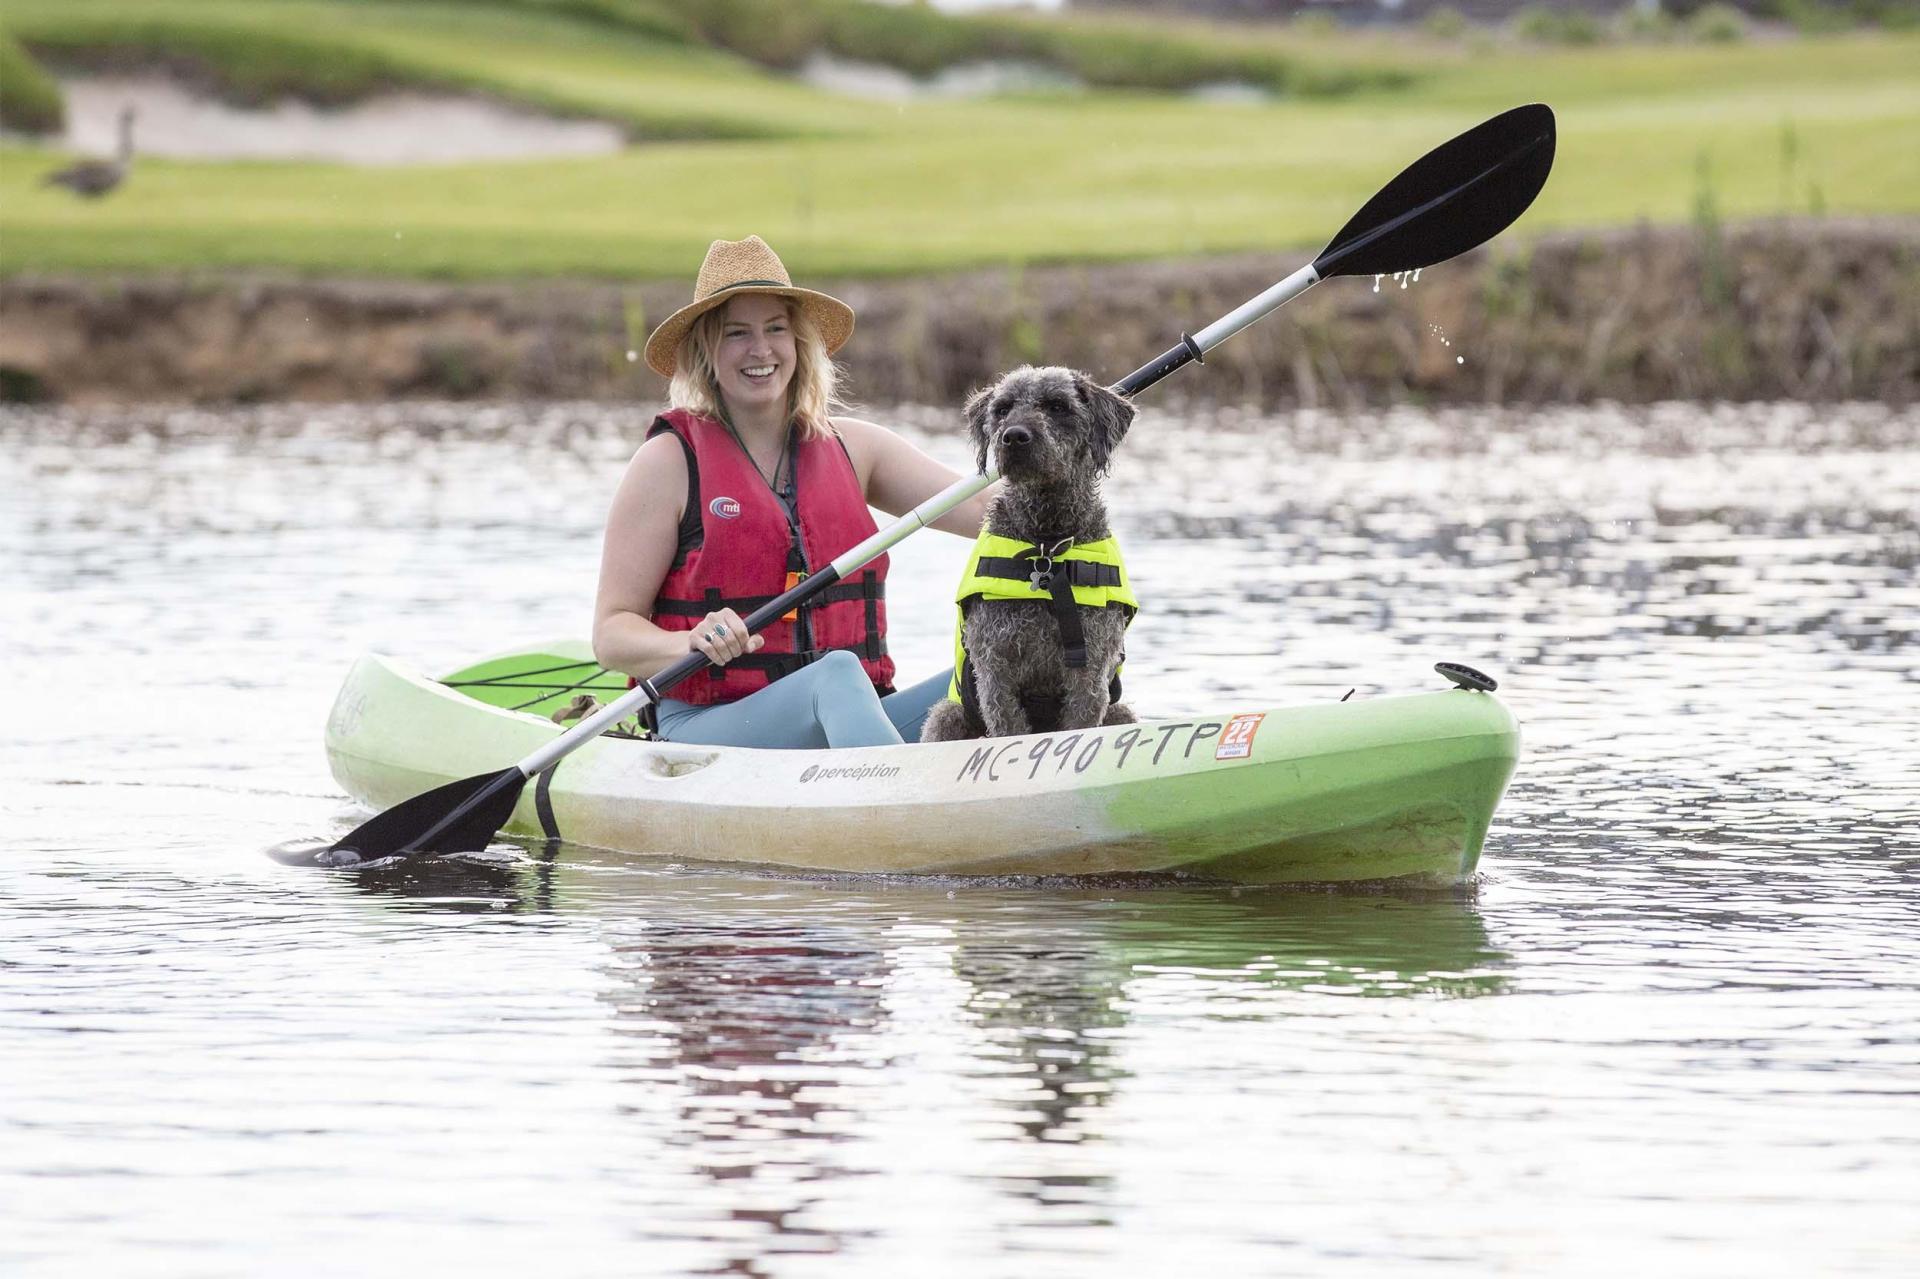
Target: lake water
{"points": [[1673, 1027]]}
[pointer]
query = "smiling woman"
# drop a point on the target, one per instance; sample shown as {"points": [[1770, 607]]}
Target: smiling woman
{"points": [[746, 485]]}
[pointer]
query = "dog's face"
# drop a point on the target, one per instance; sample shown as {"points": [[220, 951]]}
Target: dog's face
{"points": [[1046, 426]]}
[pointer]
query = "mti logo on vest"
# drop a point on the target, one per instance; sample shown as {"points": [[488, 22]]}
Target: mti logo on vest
{"points": [[726, 508]]}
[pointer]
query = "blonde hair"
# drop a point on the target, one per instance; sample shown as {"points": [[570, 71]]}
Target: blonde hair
{"points": [[812, 394]]}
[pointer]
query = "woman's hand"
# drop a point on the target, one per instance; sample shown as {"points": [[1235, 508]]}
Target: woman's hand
{"points": [[722, 636]]}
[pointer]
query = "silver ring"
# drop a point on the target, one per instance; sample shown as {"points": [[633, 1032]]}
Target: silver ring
{"points": [[720, 631], [713, 636]]}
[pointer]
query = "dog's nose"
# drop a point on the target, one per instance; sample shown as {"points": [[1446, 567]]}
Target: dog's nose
{"points": [[1015, 437]]}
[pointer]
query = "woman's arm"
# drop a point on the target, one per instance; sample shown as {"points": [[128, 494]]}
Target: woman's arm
{"points": [[643, 532], [898, 477]]}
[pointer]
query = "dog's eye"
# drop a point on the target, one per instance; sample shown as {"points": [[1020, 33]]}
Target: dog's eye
{"points": [[1000, 406], [1054, 404]]}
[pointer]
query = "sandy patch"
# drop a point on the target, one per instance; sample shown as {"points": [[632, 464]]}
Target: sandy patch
{"points": [[390, 129], [857, 79]]}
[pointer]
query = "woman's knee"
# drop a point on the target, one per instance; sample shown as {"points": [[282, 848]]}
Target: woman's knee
{"points": [[841, 664], [838, 675]]}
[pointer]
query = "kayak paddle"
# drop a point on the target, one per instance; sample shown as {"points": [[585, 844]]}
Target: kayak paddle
{"points": [[1454, 198]]}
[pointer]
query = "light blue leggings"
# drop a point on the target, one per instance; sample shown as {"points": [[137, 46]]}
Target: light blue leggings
{"points": [[830, 702]]}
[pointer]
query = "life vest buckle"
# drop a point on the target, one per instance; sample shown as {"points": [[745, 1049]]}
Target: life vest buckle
{"points": [[793, 579]]}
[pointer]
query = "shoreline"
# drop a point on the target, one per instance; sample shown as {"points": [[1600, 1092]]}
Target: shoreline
{"points": [[1808, 310]]}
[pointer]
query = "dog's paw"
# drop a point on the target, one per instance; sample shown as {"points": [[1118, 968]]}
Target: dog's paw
{"points": [[1119, 714]]}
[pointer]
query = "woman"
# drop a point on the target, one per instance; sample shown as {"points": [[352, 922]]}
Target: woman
{"points": [[743, 486]]}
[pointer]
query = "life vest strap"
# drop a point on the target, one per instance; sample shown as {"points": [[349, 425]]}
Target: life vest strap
{"points": [[1066, 613], [867, 587], [781, 665], [1077, 572]]}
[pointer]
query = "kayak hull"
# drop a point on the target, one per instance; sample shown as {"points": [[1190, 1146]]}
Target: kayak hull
{"points": [[1387, 788]]}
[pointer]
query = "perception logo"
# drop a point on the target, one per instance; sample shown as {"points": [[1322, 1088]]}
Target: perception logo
{"points": [[726, 508], [852, 773]]}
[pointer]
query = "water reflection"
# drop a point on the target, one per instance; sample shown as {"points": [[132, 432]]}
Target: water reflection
{"points": [[498, 882], [774, 1017], [750, 1020]]}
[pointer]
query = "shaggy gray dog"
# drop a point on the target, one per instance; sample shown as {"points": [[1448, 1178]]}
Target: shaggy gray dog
{"points": [[1052, 432]]}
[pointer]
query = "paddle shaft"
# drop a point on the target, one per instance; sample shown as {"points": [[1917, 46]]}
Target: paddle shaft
{"points": [[1195, 348]]}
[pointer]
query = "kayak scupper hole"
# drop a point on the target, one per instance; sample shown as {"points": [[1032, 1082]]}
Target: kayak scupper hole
{"points": [[677, 763]]}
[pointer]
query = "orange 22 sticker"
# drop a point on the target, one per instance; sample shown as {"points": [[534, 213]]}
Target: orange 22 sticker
{"points": [[1236, 742]]}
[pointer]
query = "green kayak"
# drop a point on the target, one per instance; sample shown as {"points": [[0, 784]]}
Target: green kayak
{"points": [[1383, 788]]}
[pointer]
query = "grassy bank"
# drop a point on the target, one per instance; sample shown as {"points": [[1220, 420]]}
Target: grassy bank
{"points": [[1802, 310], [850, 187]]}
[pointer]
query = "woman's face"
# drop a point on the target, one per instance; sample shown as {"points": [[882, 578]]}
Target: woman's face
{"points": [[754, 362]]}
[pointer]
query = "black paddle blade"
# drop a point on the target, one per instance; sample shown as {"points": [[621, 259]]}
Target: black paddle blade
{"points": [[460, 817], [1454, 198]]}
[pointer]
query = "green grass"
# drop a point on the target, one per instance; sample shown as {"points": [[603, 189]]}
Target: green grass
{"points": [[29, 99], [1129, 52], [850, 187]]}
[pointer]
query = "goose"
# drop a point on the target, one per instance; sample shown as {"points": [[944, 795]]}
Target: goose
{"points": [[94, 178]]}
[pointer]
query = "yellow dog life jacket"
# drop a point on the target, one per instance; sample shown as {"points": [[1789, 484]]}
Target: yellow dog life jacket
{"points": [[1063, 575]]}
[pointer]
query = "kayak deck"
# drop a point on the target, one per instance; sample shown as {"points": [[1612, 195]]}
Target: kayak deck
{"points": [[1359, 790]]}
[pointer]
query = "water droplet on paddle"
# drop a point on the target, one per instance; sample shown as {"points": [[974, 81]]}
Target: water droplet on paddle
{"points": [[1459, 359], [1376, 284], [632, 356]]}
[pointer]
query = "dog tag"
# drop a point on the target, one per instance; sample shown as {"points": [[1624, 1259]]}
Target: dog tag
{"points": [[1040, 581]]}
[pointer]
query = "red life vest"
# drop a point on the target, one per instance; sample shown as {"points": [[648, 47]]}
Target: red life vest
{"points": [[737, 549]]}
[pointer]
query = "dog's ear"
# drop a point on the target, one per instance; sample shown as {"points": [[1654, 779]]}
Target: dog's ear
{"points": [[1110, 414], [976, 415]]}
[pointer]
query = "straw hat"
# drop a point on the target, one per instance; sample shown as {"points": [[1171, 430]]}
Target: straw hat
{"points": [[734, 267]]}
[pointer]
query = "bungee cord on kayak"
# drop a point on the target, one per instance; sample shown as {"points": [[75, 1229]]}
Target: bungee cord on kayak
{"points": [[548, 692]]}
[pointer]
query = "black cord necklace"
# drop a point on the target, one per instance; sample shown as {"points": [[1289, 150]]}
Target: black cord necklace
{"points": [[780, 463]]}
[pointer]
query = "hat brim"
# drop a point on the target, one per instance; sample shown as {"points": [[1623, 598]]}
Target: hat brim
{"points": [[830, 315]]}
